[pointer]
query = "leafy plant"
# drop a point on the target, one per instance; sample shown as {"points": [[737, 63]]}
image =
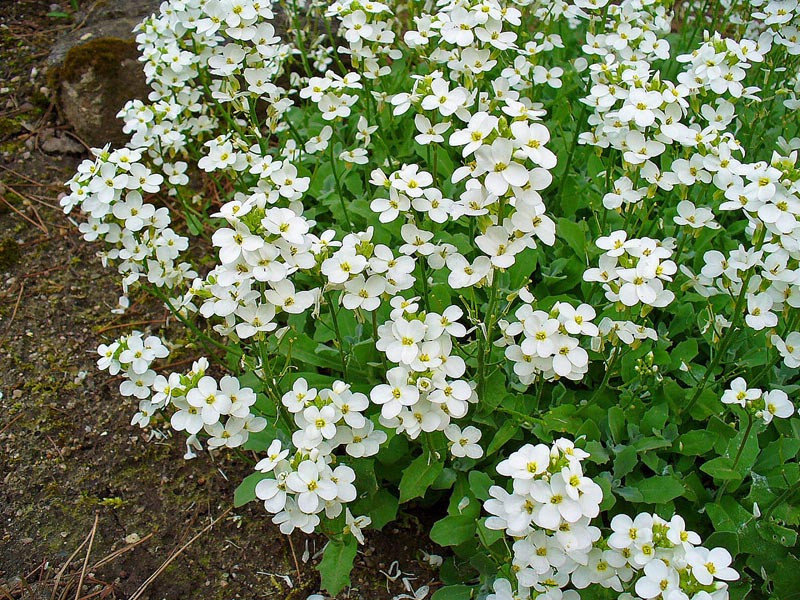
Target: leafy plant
{"points": [[533, 262]]}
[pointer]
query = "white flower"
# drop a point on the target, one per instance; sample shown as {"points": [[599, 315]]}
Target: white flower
{"points": [[364, 294], [637, 286], [283, 295], [208, 399], [392, 397], [739, 393], [429, 133], [496, 243], [708, 565], [759, 312], [776, 404], [321, 422], [629, 532], [464, 442], [465, 274], [480, 125], [275, 454], [658, 579], [789, 348], [501, 171], [312, 489], [443, 99], [364, 441], [697, 218], [355, 525], [526, 462], [640, 107]]}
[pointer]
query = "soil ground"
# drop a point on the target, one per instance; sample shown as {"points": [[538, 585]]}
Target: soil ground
{"points": [[88, 505]]}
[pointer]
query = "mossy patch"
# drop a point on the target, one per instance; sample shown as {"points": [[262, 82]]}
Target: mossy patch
{"points": [[9, 253], [104, 55]]}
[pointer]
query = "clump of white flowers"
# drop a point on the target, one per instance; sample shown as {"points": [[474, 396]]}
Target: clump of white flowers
{"points": [[549, 346], [412, 237], [760, 404], [222, 409], [425, 390], [309, 482], [633, 271], [549, 515]]}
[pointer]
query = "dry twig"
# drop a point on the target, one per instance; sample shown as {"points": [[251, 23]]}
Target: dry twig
{"points": [[86, 560]]}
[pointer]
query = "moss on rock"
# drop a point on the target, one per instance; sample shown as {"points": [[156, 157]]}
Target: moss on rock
{"points": [[103, 55]]}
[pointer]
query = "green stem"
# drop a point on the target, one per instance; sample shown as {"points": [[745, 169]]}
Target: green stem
{"points": [[738, 310], [374, 316], [739, 452], [339, 187], [232, 349], [485, 349], [338, 332]]}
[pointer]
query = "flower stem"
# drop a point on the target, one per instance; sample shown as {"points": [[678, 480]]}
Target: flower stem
{"points": [[338, 333]]}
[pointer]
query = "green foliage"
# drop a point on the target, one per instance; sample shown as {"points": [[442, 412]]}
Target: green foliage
{"points": [[337, 562]]}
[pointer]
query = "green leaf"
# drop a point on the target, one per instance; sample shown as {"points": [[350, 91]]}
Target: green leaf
{"points": [[453, 592], [520, 273], [572, 233], [394, 450], [625, 462], [695, 443], [727, 539], [655, 418], [616, 423], [336, 564], [453, 530], [608, 496], [488, 536], [383, 508], [685, 351], [720, 468], [419, 476], [246, 492], [305, 349], [479, 484], [505, 433], [660, 489], [787, 582]]}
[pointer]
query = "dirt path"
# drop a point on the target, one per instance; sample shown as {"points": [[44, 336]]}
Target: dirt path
{"points": [[68, 456]]}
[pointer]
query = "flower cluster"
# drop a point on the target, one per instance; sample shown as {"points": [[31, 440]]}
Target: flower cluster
{"points": [[549, 346], [222, 408], [132, 355], [425, 390], [633, 271], [760, 404], [300, 488], [549, 515], [402, 213], [548, 512], [110, 190]]}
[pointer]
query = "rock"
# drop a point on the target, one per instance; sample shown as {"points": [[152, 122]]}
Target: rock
{"points": [[104, 19], [52, 143], [95, 70]]}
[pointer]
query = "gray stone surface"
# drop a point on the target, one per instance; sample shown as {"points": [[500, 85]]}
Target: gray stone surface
{"points": [[96, 68], [106, 18]]}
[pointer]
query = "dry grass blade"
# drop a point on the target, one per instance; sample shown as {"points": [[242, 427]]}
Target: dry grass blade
{"points": [[16, 305], [64, 568], [86, 560], [117, 553], [24, 216], [138, 593], [11, 422]]}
